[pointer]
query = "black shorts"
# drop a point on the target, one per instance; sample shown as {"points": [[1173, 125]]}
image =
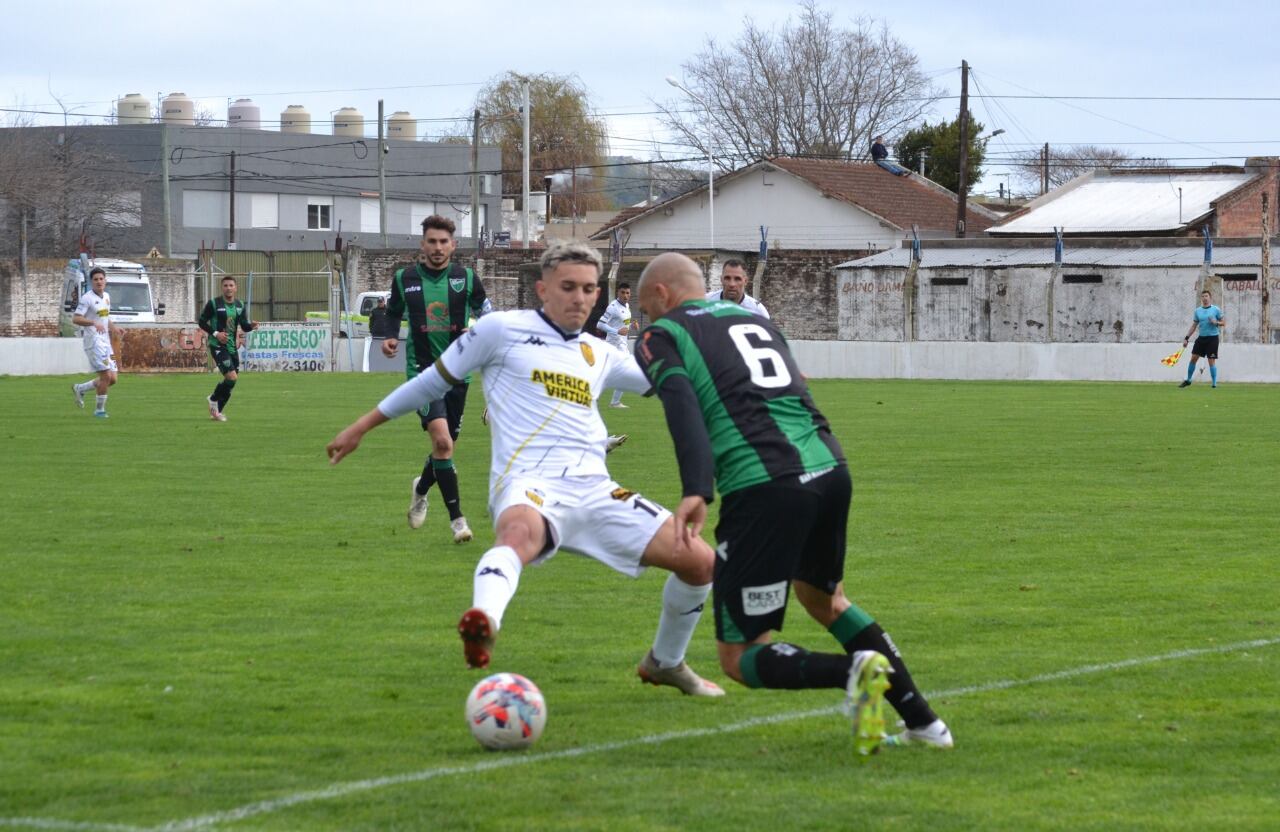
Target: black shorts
{"points": [[771, 534], [1205, 345], [449, 408], [226, 360]]}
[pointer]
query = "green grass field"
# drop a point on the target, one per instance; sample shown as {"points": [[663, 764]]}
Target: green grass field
{"points": [[204, 625]]}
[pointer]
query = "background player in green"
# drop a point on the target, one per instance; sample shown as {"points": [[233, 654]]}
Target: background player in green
{"points": [[741, 417], [439, 297], [1209, 320], [220, 318]]}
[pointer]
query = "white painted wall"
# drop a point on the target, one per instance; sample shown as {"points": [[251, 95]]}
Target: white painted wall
{"points": [[1010, 361], [797, 214], [42, 357]]}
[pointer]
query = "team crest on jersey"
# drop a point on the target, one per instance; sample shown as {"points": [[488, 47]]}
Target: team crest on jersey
{"points": [[535, 496], [588, 353], [457, 284], [622, 494]]}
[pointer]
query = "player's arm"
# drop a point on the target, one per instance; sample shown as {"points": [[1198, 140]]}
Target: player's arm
{"points": [[606, 321], [761, 310], [81, 316], [464, 356], [395, 314], [246, 325], [480, 304], [1194, 324], [205, 321]]}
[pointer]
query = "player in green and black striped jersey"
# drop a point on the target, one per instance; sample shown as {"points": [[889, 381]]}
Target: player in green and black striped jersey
{"points": [[439, 298], [742, 420], [220, 319]]}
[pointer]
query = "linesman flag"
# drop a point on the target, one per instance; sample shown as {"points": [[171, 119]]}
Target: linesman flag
{"points": [[1170, 360]]}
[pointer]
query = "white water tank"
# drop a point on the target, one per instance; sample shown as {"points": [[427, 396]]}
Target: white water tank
{"points": [[401, 125], [178, 109], [244, 113], [348, 122], [134, 108], [295, 119]]}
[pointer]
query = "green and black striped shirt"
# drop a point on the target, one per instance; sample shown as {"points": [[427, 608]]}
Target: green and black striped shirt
{"points": [[760, 420]]}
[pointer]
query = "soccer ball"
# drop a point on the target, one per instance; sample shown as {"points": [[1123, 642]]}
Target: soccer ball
{"points": [[506, 711]]}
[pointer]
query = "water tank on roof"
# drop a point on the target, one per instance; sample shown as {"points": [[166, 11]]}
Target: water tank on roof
{"points": [[178, 109], [295, 119], [244, 113], [134, 108], [401, 125], [348, 122]]}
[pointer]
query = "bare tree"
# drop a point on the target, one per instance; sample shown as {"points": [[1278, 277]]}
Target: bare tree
{"points": [[1066, 163], [808, 88], [60, 183]]}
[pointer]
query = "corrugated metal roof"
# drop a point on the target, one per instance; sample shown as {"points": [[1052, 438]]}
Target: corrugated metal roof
{"points": [[1131, 202], [1005, 258]]}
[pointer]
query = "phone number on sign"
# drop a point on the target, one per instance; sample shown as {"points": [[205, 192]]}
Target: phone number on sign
{"points": [[282, 365]]}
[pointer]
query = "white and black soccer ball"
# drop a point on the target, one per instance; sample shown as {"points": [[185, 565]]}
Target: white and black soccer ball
{"points": [[506, 711]]}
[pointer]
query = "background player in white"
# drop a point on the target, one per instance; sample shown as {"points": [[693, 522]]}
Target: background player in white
{"points": [[93, 316], [549, 487], [733, 277], [615, 323]]}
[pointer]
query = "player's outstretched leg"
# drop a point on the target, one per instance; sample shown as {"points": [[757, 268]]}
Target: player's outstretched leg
{"points": [[684, 596], [496, 578]]}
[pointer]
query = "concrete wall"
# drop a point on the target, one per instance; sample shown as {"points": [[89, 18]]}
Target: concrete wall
{"points": [[1036, 304], [1023, 361]]}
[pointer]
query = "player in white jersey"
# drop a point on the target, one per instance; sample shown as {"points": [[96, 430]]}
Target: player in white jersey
{"points": [[733, 277], [93, 316], [549, 487], [615, 323]]}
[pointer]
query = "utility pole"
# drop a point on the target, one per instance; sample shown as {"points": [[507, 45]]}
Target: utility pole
{"points": [[231, 237], [962, 202], [164, 190], [1044, 170], [1266, 269], [924, 154], [524, 196], [650, 202], [574, 201], [475, 179], [382, 175]]}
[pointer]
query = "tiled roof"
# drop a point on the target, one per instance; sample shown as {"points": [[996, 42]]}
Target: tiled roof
{"points": [[900, 200]]}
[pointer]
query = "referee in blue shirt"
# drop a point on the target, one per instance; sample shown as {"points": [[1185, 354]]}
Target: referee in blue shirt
{"points": [[1208, 319]]}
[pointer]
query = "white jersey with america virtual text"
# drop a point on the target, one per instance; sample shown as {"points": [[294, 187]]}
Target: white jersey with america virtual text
{"points": [[95, 307], [540, 385], [749, 303], [616, 315]]}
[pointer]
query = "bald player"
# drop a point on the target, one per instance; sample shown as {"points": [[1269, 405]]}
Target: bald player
{"points": [[742, 420]]}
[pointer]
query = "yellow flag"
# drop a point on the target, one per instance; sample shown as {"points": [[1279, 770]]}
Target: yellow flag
{"points": [[1170, 360]]}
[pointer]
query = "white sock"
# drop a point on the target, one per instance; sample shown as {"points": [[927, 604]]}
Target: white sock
{"points": [[86, 386], [102, 404], [681, 608], [617, 397], [496, 578]]}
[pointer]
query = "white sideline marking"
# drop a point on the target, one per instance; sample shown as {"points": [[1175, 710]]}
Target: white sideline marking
{"points": [[336, 790]]}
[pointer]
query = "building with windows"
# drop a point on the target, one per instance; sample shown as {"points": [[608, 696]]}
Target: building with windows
{"points": [[236, 187]]}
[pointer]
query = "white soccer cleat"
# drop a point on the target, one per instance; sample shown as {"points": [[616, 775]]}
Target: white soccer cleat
{"points": [[615, 441], [221, 417], [461, 531], [934, 735], [864, 700], [214, 413], [680, 677], [75, 391], [417, 507], [619, 405]]}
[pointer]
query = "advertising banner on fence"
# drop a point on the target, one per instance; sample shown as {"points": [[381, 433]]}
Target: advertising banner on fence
{"points": [[287, 347]]}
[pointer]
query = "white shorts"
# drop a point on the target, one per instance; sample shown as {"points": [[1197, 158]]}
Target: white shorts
{"points": [[591, 516], [100, 359], [618, 342]]}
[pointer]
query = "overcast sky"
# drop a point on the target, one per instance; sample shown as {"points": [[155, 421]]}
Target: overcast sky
{"points": [[431, 58]]}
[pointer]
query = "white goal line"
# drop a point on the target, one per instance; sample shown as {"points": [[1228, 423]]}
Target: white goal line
{"points": [[338, 790]]}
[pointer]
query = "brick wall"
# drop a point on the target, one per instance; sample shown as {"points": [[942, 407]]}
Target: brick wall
{"points": [[1241, 214]]}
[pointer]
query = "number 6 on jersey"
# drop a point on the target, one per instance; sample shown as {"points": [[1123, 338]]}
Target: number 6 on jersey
{"points": [[775, 373]]}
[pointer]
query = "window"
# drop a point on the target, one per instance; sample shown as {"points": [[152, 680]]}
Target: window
{"points": [[1238, 278], [949, 281], [123, 210], [320, 213], [419, 211], [1082, 278], [264, 210], [369, 223], [205, 209]]}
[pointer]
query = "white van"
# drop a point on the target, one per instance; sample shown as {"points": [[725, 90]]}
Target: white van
{"points": [[127, 284]]}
